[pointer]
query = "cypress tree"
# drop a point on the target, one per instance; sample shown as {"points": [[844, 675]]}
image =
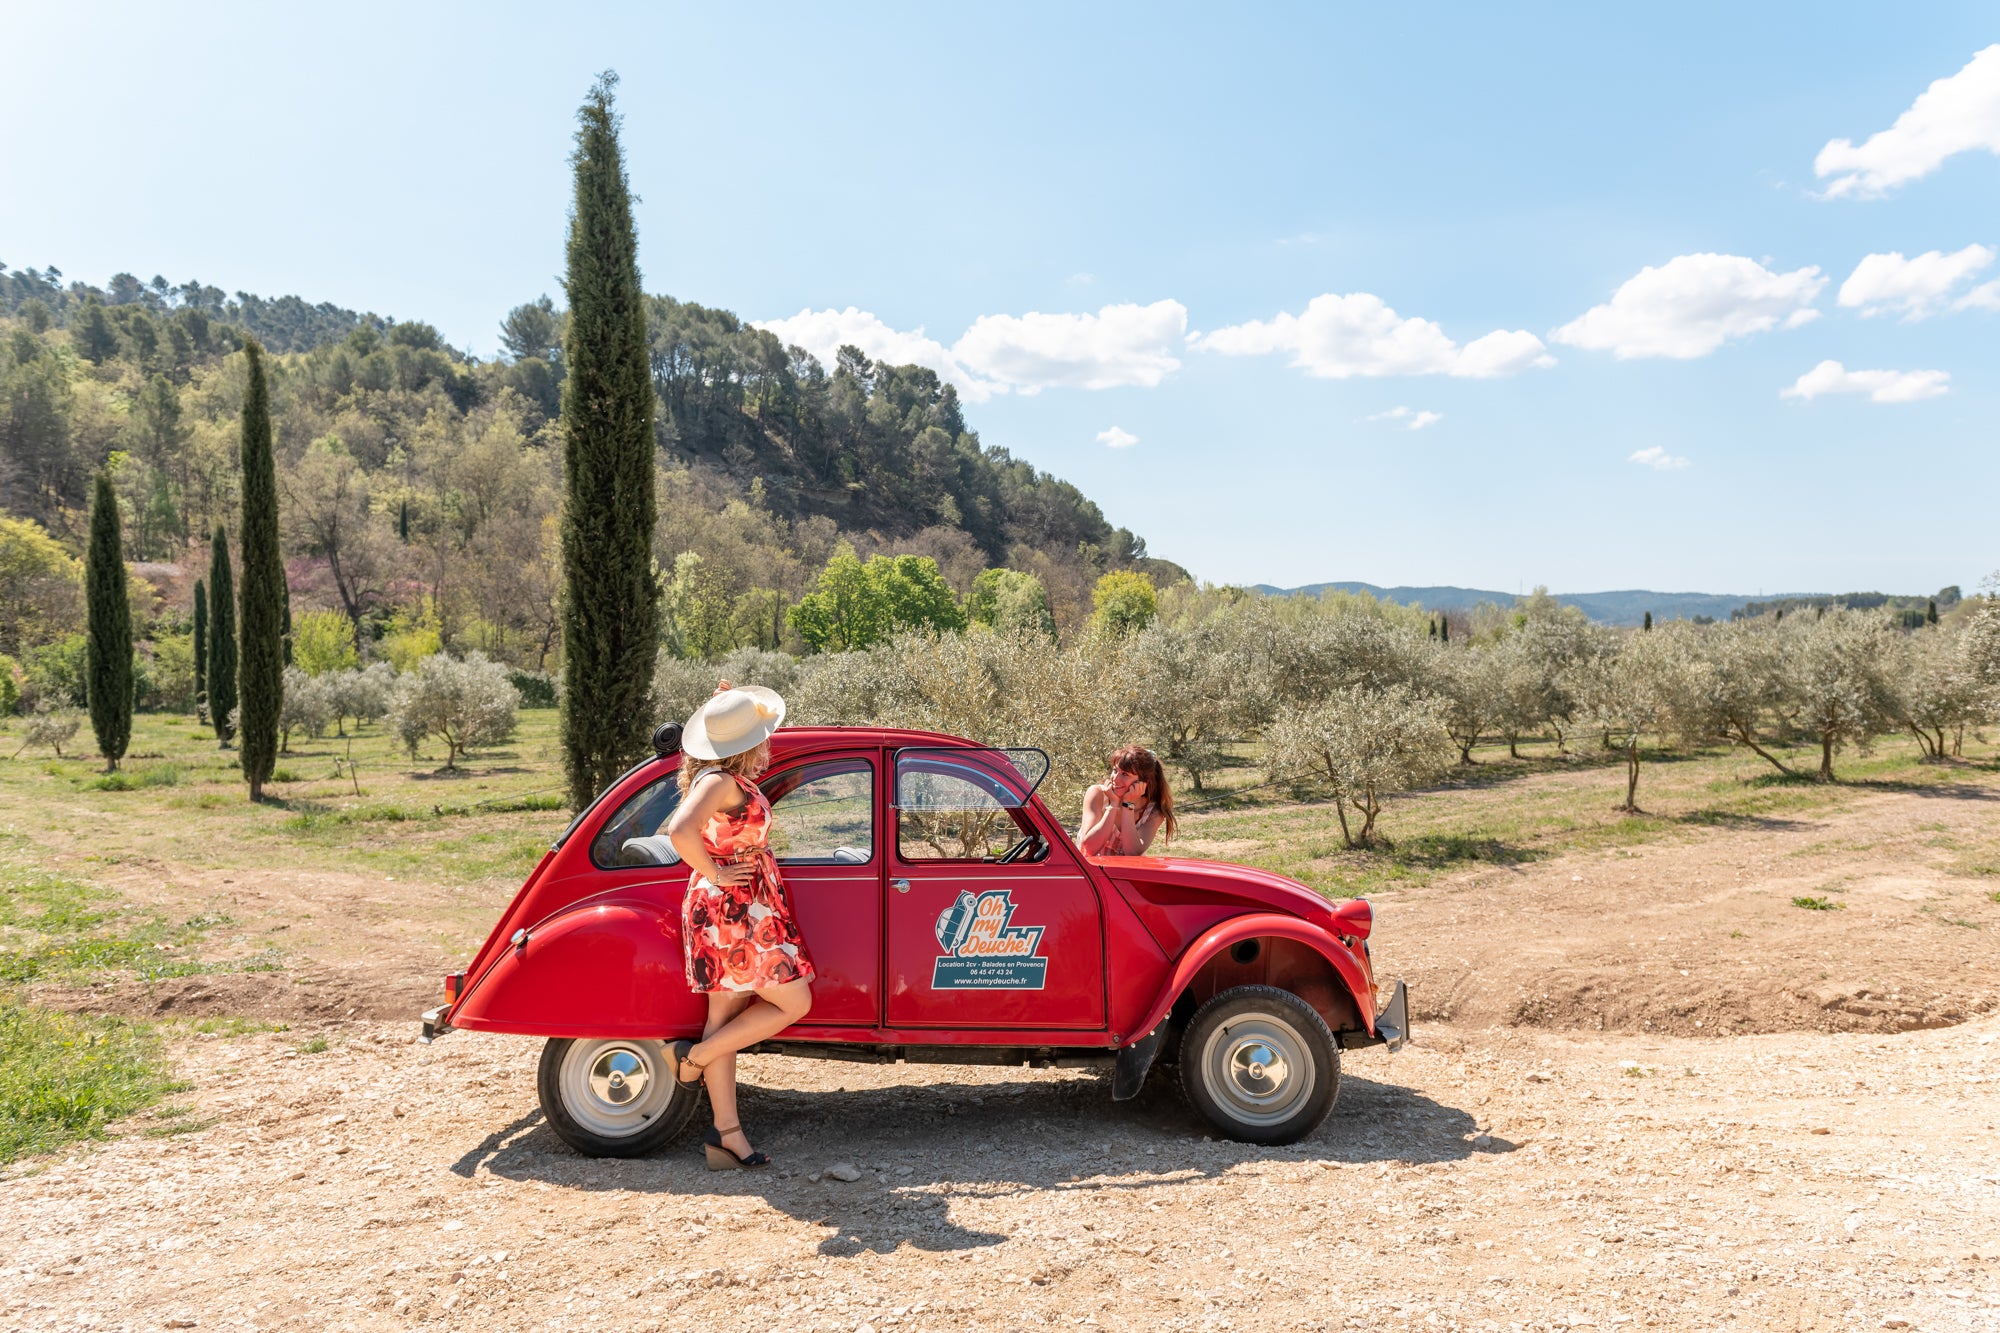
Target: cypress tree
{"points": [[1649, 621], [610, 602], [260, 614], [108, 617], [1930, 612], [1444, 629], [200, 648], [221, 638]]}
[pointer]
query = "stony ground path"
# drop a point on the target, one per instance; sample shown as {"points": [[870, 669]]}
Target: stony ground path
{"points": [[1480, 1179]]}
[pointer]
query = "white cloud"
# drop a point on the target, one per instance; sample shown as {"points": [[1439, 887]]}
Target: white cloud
{"points": [[1118, 346], [1340, 337], [1117, 438], [1656, 457], [1691, 305], [1886, 283], [1881, 386], [1954, 115], [824, 332], [1413, 418]]}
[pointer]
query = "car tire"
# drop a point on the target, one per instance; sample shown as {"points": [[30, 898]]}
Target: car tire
{"points": [[1260, 1065], [613, 1096]]}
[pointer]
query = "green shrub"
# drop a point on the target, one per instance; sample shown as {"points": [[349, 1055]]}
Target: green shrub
{"points": [[537, 690], [55, 673], [1818, 904], [10, 686]]}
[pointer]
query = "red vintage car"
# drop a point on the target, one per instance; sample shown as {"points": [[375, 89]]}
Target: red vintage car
{"points": [[952, 920]]}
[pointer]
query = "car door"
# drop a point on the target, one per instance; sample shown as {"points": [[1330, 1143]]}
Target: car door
{"points": [[828, 843], [992, 922]]}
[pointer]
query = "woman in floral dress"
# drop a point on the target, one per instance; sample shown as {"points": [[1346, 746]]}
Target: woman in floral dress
{"points": [[738, 931]]}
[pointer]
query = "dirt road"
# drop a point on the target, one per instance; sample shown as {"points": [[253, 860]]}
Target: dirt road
{"points": [[1623, 1109], [1476, 1180]]}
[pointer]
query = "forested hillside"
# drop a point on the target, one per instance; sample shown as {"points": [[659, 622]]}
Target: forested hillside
{"points": [[420, 484]]}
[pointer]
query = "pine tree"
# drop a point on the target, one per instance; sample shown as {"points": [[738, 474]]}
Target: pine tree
{"points": [[1648, 622], [260, 615], [610, 591], [221, 639], [108, 618], [200, 648]]}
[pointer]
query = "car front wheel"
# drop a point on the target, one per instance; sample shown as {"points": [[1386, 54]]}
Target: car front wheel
{"points": [[612, 1097], [1260, 1064]]}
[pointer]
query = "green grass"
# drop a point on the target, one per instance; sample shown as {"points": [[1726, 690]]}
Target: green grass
{"points": [[55, 927], [488, 821], [64, 1077], [1818, 904]]}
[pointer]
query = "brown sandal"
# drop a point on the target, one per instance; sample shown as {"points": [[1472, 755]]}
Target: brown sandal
{"points": [[682, 1049], [724, 1159]]}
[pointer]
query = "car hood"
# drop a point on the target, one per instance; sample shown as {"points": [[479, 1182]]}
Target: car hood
{"points": [[1186, 880]]}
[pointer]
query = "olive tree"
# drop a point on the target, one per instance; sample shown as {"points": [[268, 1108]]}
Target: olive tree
{"points": [[364, 694], [1937, 689], [307, 707], [1749, 701], [1652, 682], [1840, 669], [51, 725], [1468, 680], [1360, 744], [465, 704], [1536, 666], [1186, 691]]}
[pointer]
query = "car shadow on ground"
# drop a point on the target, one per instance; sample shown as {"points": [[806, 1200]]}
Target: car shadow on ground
{"points": [[923, 1148]]}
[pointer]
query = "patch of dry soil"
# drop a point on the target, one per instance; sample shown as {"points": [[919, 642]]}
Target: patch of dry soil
{"points": [[1700, 937], [1476, 1180]]}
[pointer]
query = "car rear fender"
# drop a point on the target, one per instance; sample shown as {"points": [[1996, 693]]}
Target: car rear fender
{"points": [[609, 966], [1298, 970]]}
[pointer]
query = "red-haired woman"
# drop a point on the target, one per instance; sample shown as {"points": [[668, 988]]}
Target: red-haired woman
{"points": [[1123, 813]]}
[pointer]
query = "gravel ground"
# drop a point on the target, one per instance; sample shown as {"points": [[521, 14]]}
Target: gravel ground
{"points": [[1479, 1179]]}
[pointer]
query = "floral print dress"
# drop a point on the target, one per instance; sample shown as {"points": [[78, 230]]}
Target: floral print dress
{"points": [[744, 938]]}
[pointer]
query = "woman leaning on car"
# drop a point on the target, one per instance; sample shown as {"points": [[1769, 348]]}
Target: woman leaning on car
{"points": [[738, 931]]}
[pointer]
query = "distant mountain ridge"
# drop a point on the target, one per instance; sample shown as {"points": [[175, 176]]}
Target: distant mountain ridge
{"points": [[1621, 607]]}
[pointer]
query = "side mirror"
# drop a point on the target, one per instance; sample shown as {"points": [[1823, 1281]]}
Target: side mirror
{"points": [[667, 739]]}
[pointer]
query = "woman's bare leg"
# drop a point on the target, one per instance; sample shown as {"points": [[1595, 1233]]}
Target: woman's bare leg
{"points": [[737, 1020], [720, 1073]]}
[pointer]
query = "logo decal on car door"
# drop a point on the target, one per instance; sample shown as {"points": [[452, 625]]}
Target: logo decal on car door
{"points": [[983, 949]]}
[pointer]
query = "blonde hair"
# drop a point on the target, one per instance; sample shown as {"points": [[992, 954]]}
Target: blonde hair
{"points": [[746, 765]]}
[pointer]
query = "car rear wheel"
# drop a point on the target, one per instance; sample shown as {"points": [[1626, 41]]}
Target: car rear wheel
{"points": [[1260, 1064], [613, 1097]]}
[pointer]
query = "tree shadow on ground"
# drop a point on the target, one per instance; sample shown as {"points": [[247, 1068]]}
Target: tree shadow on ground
{"points": [[1731, 819], [922, 1147]]}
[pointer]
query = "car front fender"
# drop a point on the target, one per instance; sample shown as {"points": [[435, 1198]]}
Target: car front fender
{"points": [[1261, 925], [610, 966]]}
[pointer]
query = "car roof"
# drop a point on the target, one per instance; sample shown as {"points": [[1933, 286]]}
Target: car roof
{"points": [[791, 738]]}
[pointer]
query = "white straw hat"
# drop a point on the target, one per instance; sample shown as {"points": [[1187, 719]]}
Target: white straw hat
{"points": [[732, 722]]}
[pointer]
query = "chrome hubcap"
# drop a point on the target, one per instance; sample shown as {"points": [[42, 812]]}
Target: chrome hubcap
{"points": [[616, 1087], [1259, 1069]]}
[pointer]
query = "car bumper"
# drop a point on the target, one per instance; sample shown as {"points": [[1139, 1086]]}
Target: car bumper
{"points": [[1392, 1024], [435, 1025]]}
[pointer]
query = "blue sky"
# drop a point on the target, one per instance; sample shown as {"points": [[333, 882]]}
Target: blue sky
{"points": [[1242, 240]]}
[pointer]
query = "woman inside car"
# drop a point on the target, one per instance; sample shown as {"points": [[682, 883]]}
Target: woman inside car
{"points": [[1123, 813], [738, 931]]}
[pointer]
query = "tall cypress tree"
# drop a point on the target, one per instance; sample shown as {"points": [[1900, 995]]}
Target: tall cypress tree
{"points": [[200, 648], [610, 600], [108, 618], [1648, 622], [221, 638], [260, 614]]}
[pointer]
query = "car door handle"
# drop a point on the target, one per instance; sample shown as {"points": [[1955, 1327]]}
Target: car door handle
{"points": [[900, 885]]}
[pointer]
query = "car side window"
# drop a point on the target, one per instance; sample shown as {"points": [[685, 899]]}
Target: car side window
{"points": [[823, 813], [949, 810], [637, 834]]}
